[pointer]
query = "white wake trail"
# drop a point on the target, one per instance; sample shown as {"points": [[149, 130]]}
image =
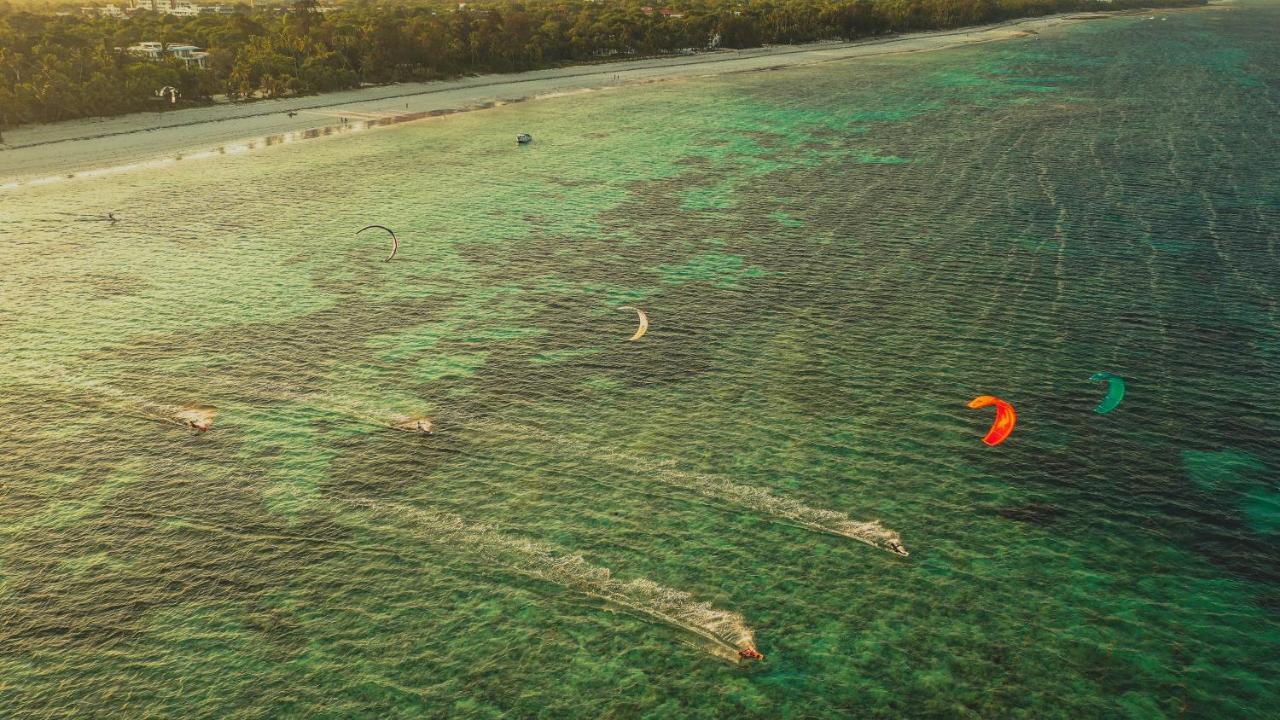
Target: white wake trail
{"points": [[723, 490], [107, 393], [725, 632]]}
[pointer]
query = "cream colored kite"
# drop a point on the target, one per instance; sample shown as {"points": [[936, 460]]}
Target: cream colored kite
{"points": [[644, 322]]}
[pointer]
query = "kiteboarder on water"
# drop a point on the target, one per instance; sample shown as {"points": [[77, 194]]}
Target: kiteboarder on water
{"points": [[750, 654]]}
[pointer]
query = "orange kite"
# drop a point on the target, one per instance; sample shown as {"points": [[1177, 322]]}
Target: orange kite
{"points": [[1006, 418]]}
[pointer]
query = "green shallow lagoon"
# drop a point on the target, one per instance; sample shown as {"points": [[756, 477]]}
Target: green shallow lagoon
{"points": [[834, 260]]}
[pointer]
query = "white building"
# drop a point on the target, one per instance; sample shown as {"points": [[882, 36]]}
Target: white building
{"points": [[152, 50], [108, 11], [179, 8], [189, 54], [169, 7]]}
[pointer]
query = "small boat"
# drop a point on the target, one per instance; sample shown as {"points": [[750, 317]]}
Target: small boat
{"points": [[524, 139]]}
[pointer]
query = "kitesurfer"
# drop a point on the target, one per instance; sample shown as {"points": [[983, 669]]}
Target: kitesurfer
{"points": [[750, 654], [109, 217], [424, 429], [199, 426], [897, 547]]}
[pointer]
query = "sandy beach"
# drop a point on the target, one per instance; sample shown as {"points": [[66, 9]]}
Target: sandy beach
{"points": [[59, 151]]}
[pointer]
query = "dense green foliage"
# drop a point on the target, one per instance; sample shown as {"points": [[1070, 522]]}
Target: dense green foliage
{"points": [[58, 67]]}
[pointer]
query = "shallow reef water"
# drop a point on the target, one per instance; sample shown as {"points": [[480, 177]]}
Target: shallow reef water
{"points": [[833, 259]]}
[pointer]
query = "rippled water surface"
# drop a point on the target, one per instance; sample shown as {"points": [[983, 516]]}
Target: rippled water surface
{"points": [[834, 261]]}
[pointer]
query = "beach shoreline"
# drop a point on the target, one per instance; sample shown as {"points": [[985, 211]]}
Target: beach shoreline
{"points": [[47, 153]]}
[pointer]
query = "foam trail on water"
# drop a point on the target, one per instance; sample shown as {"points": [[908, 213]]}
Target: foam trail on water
{"points": [[367, 414], [722, 489], [725, 632], [710, 486], [328, 402], [364, 413], [870, 532], [177, 414]]}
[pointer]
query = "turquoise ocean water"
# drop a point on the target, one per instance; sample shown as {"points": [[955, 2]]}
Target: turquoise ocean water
{"points": [[834, 260]]}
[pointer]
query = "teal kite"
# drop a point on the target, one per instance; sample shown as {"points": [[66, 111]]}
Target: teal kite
{"points": [[1115, 392]]}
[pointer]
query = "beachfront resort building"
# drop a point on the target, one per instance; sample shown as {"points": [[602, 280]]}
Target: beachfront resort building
{"points": [[115, 11], [189, 54], [169, 7], [160, 7]]}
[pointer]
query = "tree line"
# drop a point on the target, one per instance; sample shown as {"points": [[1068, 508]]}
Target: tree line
{"points": [[56, 67]]}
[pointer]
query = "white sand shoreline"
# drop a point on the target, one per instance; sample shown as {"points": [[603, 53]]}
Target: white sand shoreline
{"points": [[47, 153]]}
